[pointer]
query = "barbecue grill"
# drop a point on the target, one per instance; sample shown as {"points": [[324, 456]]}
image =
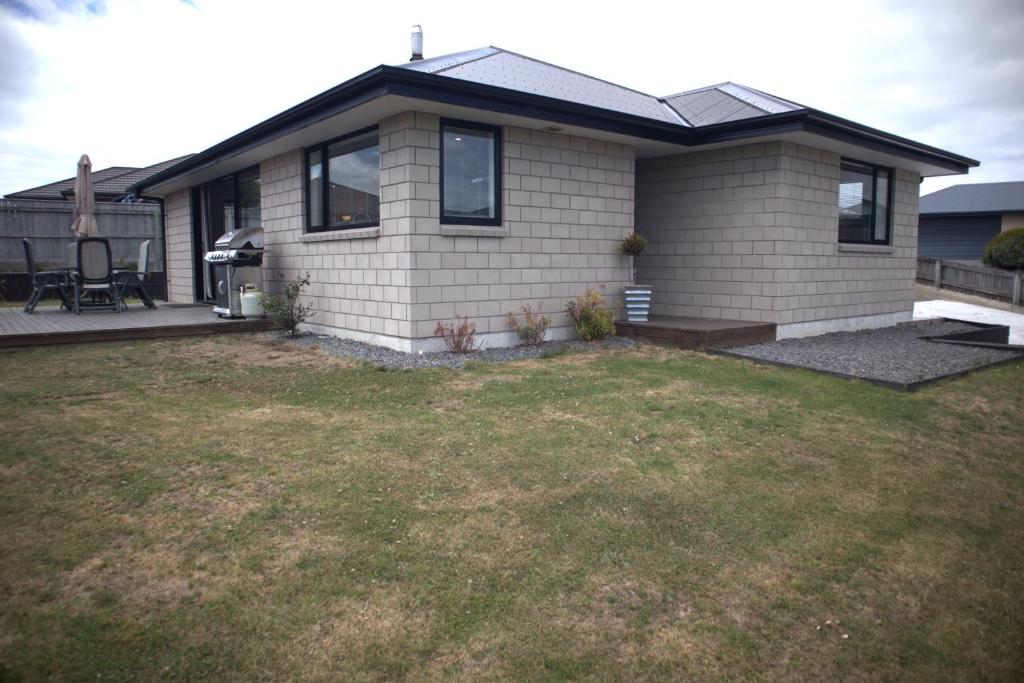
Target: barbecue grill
{"points": [[237, 261]]}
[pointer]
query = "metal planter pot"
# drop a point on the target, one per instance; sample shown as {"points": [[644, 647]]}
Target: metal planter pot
{"points": [[638, 302]]}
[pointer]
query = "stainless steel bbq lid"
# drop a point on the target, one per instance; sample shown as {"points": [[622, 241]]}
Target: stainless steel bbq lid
{"points": [[243, 238]]}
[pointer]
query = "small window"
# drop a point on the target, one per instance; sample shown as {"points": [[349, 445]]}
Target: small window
{"points": [[865, 203], [343, 183], [470, 173]]}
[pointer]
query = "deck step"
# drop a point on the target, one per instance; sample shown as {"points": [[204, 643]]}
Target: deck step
{"points": [[697, 333]]}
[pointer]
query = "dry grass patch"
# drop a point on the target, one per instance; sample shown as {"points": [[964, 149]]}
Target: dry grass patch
{"points": [[177, 512], [146, 579]]}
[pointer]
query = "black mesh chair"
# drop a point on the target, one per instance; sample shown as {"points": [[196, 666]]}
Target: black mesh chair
{"points": [[131, 282], [94, 277], [44, 281]]}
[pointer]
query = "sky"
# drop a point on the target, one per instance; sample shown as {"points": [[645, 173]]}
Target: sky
{"points": [[135, 82]]}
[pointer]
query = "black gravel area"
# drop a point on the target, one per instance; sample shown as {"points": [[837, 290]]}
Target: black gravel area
{"points": [[895, 354], [384, 357]]}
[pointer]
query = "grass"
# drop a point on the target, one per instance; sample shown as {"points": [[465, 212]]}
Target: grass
{"points": [[172, 511]]}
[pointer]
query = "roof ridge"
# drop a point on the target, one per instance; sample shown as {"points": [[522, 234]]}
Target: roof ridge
{"points": [[467, 61], [765, 94], [675, 111], [696, 90], [743, 101], [578, 73]]}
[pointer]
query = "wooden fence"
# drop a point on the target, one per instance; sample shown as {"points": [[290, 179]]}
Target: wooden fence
{"points": [[970, 278], [47, 224]]}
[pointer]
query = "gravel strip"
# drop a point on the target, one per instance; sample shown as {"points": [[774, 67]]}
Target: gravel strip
{"points": [[383, 357], [890, 354]]}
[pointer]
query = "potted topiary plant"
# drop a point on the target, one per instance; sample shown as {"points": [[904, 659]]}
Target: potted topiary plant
{"points": [[638, 297]]}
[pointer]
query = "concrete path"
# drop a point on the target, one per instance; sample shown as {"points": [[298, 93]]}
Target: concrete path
{"points": [[972, 313]]}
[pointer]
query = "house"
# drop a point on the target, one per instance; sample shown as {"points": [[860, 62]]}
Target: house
{"points": [[500, 180], [957, 222], [109, 184]]}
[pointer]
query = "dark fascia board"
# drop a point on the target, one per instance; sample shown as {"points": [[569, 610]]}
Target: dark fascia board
{"points": [[390, 80]]}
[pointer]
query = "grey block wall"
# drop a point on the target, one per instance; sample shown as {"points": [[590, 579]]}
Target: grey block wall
{"points": [[751, 233], [567, 205], [178, 235]]}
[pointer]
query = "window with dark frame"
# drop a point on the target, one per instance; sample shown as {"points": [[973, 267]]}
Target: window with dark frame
{"points": [[865, 203], [343, 182], [470, 173]]}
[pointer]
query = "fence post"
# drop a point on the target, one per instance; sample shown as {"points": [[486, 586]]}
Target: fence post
{"points": [[1015, 299], [938, 273]]}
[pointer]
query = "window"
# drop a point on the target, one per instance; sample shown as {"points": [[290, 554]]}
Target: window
{"points": [[470, 173], [343, 183], [865, 203]]}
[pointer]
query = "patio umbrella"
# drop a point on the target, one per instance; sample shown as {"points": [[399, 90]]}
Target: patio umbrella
{"points": [[85, 200]]}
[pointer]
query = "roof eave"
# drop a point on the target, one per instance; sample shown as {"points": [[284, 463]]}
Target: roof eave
{"points": [[827, 125]]}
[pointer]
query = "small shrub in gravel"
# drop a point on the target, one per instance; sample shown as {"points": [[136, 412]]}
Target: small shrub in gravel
{"points": [[1006, 250], [285, 309], [459, 337], [532, 329], [591, 316]]}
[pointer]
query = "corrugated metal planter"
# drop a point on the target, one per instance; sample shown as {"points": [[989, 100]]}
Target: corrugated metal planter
{"points": [[638, 302]]}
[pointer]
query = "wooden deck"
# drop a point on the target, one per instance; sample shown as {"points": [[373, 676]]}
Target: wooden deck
{"points": [[51, 325], [697, 333]]}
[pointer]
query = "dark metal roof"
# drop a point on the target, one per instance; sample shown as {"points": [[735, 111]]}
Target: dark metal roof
{"points": [[976, 198], [108, 184], [504, 69], [726, 102], [492, 79]]}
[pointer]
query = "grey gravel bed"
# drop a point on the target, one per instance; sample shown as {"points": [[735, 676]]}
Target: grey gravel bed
{"points": [[384, 357], [895, 354]]}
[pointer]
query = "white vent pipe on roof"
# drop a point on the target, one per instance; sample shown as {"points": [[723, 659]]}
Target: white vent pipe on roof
{"points": [[417, 43]]}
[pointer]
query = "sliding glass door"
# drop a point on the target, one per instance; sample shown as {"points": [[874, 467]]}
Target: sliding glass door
{"points": [[222, 206]]}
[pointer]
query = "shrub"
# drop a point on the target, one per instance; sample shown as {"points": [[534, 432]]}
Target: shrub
{"points": [[634, 245], [285, 309], [459, 338], [1006, 250], [591, 316], [533, 328]]}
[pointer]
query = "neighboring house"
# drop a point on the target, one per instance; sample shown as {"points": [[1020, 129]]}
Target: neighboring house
{"points": [[109, 184], [501, 180], [957, 222]]}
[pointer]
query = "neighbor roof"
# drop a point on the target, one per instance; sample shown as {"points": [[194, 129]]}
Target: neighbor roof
{"points": [[56, 190], [496, 80], [976, 198], [108, 183]]}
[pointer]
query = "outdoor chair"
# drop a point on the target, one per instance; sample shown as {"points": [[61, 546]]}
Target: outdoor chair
{"points": [[133, 281], [95, 276], [44, 281]]}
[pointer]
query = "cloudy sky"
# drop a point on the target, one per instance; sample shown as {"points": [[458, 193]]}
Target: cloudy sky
{"points": [[134, 82]]}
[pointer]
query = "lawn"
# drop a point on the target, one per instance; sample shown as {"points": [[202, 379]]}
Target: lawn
{"points": [[172, 512]]}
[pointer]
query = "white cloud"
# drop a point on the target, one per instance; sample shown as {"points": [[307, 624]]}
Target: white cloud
{"points": [[133, 83]]}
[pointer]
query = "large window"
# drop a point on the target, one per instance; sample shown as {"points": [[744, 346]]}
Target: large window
{"points": [[865, 203], [343, 183], [470, 173]]}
